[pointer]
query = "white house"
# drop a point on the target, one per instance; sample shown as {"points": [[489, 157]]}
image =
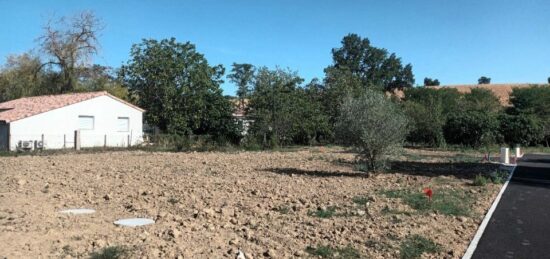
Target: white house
{"points": [[52, 121]]}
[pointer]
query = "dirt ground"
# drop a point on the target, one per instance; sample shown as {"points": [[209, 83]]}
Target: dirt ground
{"points": [[207, 205]]}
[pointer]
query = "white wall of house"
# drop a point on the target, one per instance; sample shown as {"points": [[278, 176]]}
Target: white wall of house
{"points": [[97, 119]]}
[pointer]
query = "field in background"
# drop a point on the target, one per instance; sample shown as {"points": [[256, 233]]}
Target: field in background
{"points": [[290, 203]]}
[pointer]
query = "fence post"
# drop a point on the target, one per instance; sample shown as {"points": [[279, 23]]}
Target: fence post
{"points": [[129, 144], [42, 139], [64, 141], [77, 139], [105, 141]]}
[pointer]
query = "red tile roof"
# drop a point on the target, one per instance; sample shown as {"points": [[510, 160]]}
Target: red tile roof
{"points": [[29, 106]]}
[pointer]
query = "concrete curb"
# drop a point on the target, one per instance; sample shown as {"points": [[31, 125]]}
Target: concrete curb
{"points": [[473, 244]]}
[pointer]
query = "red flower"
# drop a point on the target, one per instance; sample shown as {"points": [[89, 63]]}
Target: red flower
{"points": [[429, 193]]}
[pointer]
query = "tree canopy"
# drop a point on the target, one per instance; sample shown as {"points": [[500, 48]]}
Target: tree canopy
{"points": [[283, 111], [242, 75], [430, 82], [371, 66], [484, 80], [69, 44], [178, 88]]}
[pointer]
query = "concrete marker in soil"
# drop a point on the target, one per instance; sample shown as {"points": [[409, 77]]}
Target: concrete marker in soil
{"points": [[134, 222]]}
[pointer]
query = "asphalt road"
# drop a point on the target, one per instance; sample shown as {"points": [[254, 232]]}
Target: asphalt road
{"points": [[520, 225]]}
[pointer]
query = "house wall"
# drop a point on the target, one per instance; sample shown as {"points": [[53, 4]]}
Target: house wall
{"points": [[58, 125], [4, 133]]}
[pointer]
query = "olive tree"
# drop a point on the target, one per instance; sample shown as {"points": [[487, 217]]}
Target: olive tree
{"points": [[372, 124]]}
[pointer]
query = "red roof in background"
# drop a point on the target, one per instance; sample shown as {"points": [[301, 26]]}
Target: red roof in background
{"points": [[29, 106]]}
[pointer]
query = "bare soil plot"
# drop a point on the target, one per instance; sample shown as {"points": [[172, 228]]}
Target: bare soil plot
{"points": [[270, 204]]}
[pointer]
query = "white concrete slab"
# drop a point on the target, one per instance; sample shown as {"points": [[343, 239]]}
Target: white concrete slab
{"points": [[134, 222]]}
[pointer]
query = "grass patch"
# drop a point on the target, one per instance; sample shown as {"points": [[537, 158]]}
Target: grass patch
{"points": [[324, 213], [447, 202], [414, 246], [111, 252], [360, 200], [480, 180], [499, 176], [347, 252]]}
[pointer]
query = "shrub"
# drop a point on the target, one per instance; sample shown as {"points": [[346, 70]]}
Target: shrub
{"points": [[415, 245], [372, 124], [111, 252], [471, 128]]}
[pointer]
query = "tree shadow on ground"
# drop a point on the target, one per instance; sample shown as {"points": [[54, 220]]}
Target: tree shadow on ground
{"points": [[463, 170], [315, 173]]}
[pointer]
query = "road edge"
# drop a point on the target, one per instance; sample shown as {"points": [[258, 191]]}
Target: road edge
{"points": [[473, 244]]}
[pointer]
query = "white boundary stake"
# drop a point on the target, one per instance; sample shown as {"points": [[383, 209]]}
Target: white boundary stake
{"points": [[473, 244]]}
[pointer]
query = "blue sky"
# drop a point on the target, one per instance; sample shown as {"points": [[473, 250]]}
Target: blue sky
{"points": [[455, 41]]}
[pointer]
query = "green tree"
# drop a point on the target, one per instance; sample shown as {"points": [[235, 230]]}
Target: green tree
{"points": [[178, 88], [426, 122], [428, 110], [430, 82], [371, 65], [283, 111], [20, 77], [535, 101], [523, 129], [358, 66], [471, 128], [483, 100], [484, 80], [242, 75], [372, 124]]}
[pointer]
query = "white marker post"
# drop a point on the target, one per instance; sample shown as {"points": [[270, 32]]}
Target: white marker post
{"points": [[505, 155], [518, 153]]}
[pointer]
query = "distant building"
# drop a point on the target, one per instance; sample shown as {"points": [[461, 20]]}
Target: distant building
{"points": [[50, 122], [240, 114]]}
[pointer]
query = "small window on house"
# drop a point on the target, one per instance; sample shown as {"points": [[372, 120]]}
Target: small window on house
{"points": [[85, 122], [123, 124]]}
